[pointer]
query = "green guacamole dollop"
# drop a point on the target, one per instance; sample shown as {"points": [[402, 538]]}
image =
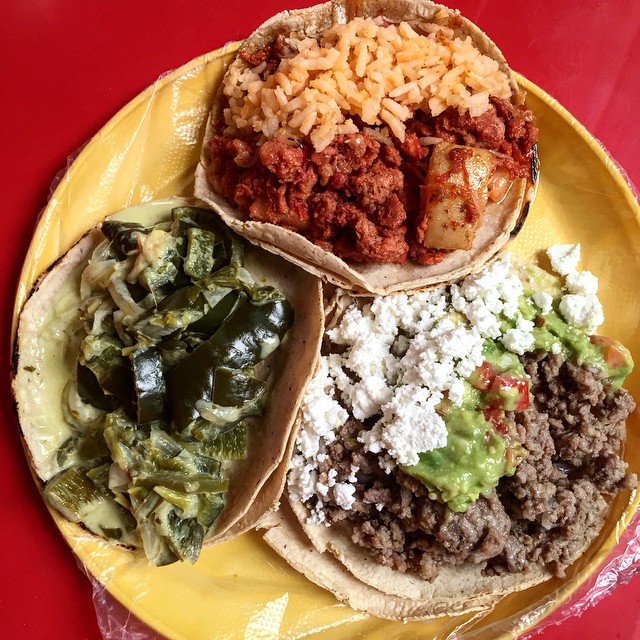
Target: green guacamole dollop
{"points": [[470, 465]]}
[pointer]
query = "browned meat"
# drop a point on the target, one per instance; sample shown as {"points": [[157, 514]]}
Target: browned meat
{"points": [[348, 155], [489, 129], [358, 197], [391, 215], [573, 435], [412, 147], [520, 134], [243, 153], [225, 173], [391, 156], [283, 160], [373, 187], [477, 534], [364, 241], [271, 54], [425, 255], [326, 220], [486, 131]]}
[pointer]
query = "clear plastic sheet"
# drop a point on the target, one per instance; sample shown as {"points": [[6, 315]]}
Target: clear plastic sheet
{"points": [[241, 588]]}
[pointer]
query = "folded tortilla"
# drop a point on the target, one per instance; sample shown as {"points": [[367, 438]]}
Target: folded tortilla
{"points": [[329, 557], [43, 363], [501, 220]]}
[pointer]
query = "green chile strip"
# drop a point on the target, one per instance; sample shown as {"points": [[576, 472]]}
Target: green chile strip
{"points": [[237, 344], [103, 356], [203, 218], [199, 259], [123, 236], [235, 388], [91, 392], [210, 322], [150, 386]]}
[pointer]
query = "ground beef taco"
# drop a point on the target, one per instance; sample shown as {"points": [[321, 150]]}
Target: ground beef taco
{"points": [[383, 149], [157, 372], [458, 444]]}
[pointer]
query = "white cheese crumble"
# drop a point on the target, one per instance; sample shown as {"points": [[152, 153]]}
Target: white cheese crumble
{"points": [[387, 463], [580, 307], [320, 416], [343, 495], [418, 429], [584, 312], [544, 301], [582, 282], [564, 258], [519, 339]]}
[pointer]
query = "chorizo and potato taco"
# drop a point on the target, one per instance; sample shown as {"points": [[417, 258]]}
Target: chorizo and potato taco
{"points": [[458, 444], [158, 368], [383, 148]]}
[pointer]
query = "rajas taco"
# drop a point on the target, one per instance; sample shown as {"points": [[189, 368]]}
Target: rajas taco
{"points": [[158, 368], [459, 444], [384, 147]]}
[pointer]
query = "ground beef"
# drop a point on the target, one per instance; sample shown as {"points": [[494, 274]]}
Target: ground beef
{"points": [[271, 55], [359, 197], [349, 198], [573, 433]]}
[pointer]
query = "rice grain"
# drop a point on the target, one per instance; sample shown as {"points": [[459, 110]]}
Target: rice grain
{"points": [[367, 68]]}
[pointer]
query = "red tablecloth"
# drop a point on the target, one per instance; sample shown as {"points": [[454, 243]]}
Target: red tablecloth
{"points": [[68, 65]]}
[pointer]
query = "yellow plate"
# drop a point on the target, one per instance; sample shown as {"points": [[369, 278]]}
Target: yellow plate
{"points": [[242, 589]]}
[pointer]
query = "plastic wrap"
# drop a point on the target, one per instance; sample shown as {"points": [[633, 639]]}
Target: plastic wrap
{"points": [[242, 588]]}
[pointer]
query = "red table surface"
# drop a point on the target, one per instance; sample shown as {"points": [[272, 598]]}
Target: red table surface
{"points": [[68, 65]]}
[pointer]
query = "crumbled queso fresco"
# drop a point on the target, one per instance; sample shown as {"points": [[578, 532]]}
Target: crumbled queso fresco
{"points": [[401, 355]]}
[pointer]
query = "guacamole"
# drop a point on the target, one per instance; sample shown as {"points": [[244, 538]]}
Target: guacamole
{"points": [[480, 448]]}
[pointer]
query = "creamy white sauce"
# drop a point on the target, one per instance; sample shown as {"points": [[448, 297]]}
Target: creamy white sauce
{"points": [[47, 360], [48, 348], [268, 346]]}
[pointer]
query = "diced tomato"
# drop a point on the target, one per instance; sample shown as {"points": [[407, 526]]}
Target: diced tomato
{"points": [[496, 417], [615, 354], [502, 385], [482, 377]]}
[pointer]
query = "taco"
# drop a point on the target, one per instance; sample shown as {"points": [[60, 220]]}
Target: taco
{"points": [[383, 150], [459, 444], [158, 368]]}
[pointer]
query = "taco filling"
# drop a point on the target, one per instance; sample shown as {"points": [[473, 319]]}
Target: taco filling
{"points": [[481, 423], [378, 142], [166, 350]]}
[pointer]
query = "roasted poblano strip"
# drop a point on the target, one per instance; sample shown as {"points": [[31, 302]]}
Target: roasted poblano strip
{"points": [[219, 309], [149, 384], [90, 391], [199, 259], [78, 498], [123, 236], [195, 216], [102, 355], [234, 388], [164, 387], [231, 444], [248, 335]]}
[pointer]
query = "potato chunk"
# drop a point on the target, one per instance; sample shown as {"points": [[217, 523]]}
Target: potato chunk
{"points": [[454, 196]]}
